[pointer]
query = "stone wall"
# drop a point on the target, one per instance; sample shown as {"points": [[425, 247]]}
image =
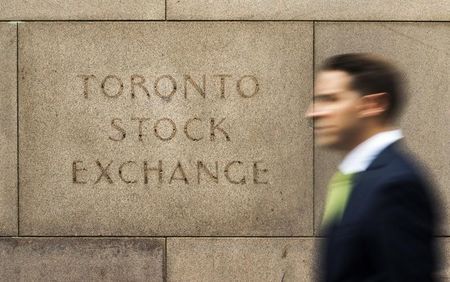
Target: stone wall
{"points": [[166, 140]]}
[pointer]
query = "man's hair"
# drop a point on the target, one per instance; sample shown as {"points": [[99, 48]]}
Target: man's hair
{"points": [[371, 74]]}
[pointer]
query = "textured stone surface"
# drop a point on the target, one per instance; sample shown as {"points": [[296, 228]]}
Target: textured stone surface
{"points": [[81, 259], [308, 10], [71, 129], [82, 10], [444, 271], [421, 51], [8, 130], [240, 259]]}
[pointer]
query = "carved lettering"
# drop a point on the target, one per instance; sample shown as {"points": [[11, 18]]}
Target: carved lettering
{"points": [[168, 97], [121, 167], [215, 127], [103, 172], [239, 86], [138, 80], [172, 134], [222, 83], [132, 172], [141, 121], [119, 86], [158, 169], [195, 128], [166, 129], [115, 125], [183, 175], [75, 170], [201, 91], [202, 167], [86, 83], [186, 129], [256, 173], [227, 173], [165, 86]]}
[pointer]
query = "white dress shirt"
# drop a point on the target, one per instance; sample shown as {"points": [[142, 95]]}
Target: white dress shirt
{"points": [[362, 155]]}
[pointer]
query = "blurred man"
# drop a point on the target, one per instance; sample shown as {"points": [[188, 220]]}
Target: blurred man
{"points": [[379, 215]]}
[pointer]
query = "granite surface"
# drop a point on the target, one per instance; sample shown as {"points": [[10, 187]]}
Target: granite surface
{"points": [[240, 259], [81, 259], [165, 129], [82, 10], [343, 10], [8, 129]]}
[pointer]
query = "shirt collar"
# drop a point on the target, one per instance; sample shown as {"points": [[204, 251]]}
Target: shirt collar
{"points": [[362, 155]]}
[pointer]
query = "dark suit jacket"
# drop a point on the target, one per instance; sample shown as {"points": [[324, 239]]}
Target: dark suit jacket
{"points": [[386, 231]]}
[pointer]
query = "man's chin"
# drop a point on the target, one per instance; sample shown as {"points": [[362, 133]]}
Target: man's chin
{"points": [[327, 143]]}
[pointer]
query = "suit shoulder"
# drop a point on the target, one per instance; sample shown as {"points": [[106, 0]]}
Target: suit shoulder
{"points": [[401, 174], [405, 177], [403, 166]]}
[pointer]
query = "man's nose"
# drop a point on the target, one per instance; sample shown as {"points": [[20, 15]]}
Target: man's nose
{"points": [[311, 112], [308, 111], [315, 111]]}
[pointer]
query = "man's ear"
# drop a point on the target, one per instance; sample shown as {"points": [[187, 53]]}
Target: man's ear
{"points": [[373, 105]]}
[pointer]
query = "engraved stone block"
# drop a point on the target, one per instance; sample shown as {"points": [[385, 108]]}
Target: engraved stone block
{"points": [[165, 129]]}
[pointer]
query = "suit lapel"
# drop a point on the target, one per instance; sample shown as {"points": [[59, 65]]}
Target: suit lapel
{"points": [[360, 193]]}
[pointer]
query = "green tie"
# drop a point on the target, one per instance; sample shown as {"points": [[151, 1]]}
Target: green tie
{"points": [[338, 192]]}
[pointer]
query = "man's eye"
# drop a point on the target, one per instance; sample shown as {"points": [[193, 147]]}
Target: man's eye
{"points": [[332, 99], [326, 99]]}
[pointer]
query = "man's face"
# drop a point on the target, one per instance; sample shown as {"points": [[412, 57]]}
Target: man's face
{"points": [[335, 110]]}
